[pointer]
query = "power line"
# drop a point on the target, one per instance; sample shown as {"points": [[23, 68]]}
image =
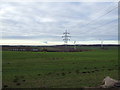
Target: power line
{"points": [[99, 27], [104, 24], [99, 17], [105, 8]]}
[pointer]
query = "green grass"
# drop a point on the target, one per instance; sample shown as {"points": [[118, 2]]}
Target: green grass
{"points": [[59, 69]]}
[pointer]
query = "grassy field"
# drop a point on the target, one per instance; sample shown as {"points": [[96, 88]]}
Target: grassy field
{"points": [[59, 69]]}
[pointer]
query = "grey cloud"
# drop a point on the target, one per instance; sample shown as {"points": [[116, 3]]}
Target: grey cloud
{"points": [[34, 19]]}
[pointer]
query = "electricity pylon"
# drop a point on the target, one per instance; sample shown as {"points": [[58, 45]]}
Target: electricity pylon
{"points": [[66, 37]]}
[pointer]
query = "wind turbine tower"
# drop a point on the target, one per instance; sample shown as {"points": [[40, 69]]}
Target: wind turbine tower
{"points": [[74, 45], [102, 44]]}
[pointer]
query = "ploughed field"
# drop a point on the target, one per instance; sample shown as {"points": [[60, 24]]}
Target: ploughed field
{"points": [[59, 69]]}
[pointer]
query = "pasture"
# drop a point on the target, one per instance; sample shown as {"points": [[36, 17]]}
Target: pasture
{"points": [[23, 69]]}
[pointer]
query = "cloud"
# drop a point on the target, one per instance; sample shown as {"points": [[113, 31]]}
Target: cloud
{"points": [[48, 20]]}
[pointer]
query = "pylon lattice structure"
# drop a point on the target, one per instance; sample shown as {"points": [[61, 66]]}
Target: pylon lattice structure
{"points": [[66, 37]]}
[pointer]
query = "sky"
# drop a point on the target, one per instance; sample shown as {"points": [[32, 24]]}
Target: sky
{"points": [[43, 23]]}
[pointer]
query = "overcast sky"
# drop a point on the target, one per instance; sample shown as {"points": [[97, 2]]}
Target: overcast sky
{"points": [[41, 22]]}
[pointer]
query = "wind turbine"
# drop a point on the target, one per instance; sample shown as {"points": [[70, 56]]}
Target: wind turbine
{"points": [[74, 45]]}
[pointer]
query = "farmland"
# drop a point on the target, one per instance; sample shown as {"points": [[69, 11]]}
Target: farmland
{"points": [[59, 69]]}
